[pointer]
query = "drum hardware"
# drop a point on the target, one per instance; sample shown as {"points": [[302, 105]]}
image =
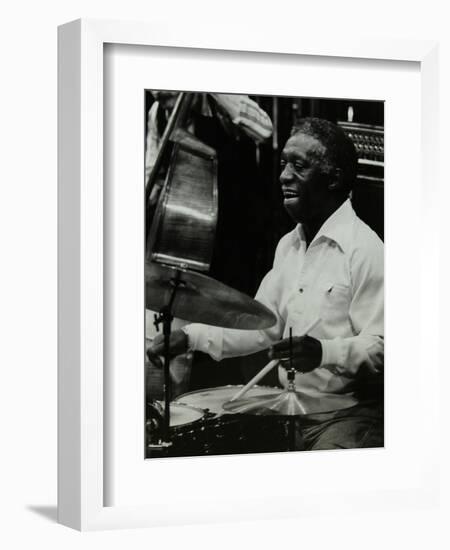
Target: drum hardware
{"points": [[215, 432], [183, 419], [195, 297], [270, 365], [293, 400], [291, 403], [200, 426], [198, 298], [212, 400], [165, 317], [288, 402]]}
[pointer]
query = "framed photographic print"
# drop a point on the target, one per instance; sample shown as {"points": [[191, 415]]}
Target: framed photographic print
{"points": [[219, 203], [229, 238]]}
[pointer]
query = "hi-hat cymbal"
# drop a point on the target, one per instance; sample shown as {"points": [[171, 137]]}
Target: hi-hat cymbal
{"points": [[201, 299], [287, 403]]}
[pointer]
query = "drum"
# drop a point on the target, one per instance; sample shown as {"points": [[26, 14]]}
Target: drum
{"points": [[212, 399], [226, 433], [186, 427], [182, 415]]}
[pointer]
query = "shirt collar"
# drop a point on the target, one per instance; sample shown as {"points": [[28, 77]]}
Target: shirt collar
{"points": [[335, 228]]}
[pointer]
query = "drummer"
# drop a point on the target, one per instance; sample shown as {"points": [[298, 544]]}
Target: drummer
{"points": [[330, 267]]}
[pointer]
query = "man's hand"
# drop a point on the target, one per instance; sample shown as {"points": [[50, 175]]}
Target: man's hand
{"points": [[306, 352], [178, 345]]}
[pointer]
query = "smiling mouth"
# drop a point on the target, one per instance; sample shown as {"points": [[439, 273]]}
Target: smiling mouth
{"points": [[288, 194]]}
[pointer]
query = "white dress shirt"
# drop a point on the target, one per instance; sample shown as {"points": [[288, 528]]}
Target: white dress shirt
{"points": [[338, 278]]}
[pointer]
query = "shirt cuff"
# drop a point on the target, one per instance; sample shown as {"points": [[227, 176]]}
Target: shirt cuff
{"points": [[331, 352], [205, 338]]}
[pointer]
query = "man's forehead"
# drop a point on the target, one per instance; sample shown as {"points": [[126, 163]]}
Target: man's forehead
{"points": [[303, 144]]}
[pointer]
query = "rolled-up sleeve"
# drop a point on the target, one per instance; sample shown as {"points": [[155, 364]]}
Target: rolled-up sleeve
{"points": [[246, 114], [221, 343]]}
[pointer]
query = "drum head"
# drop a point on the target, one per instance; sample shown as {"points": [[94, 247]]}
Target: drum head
{"points": [[181, 414], [214, 398]]}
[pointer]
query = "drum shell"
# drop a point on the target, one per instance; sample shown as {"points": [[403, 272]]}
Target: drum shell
{"points": [[181, 429], [221, 433]]}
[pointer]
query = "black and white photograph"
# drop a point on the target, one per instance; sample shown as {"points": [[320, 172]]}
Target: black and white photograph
{"points": [[264, 273]]}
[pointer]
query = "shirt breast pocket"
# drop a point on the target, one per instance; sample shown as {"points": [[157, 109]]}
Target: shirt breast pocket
{"points": [[335, 303]]}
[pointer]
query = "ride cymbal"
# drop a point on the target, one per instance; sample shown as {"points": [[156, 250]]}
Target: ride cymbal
{"points": [[201, 299]]}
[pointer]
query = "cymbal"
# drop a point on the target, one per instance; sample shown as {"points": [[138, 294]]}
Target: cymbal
{"points": [[287, 403], [201, 299]]}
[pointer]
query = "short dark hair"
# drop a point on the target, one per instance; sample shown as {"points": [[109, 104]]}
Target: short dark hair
{"points": [[339, 152]]}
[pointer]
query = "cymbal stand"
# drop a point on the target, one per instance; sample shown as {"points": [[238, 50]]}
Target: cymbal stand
{"points": [[165, 317], [291, 420]]}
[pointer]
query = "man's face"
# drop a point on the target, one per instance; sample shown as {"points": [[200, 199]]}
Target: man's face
{"points": [[303, 182]]}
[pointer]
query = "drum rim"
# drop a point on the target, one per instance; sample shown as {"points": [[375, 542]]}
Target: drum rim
{"points": [[196, 409], [273, 388]]}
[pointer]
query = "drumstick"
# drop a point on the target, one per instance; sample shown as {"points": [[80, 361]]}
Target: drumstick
{"points": [[268, 367], [255, 379]]}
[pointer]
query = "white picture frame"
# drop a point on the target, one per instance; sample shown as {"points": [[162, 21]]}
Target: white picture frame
{"points": [[81, 479]]}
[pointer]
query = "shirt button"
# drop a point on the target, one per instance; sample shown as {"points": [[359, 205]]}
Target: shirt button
{"points": [[301, 290]]}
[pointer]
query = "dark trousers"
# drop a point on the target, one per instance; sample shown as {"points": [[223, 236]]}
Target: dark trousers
{"points": [[361, 426]]}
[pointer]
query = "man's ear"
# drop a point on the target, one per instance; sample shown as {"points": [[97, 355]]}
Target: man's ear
{"points": [[337, 181]]}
